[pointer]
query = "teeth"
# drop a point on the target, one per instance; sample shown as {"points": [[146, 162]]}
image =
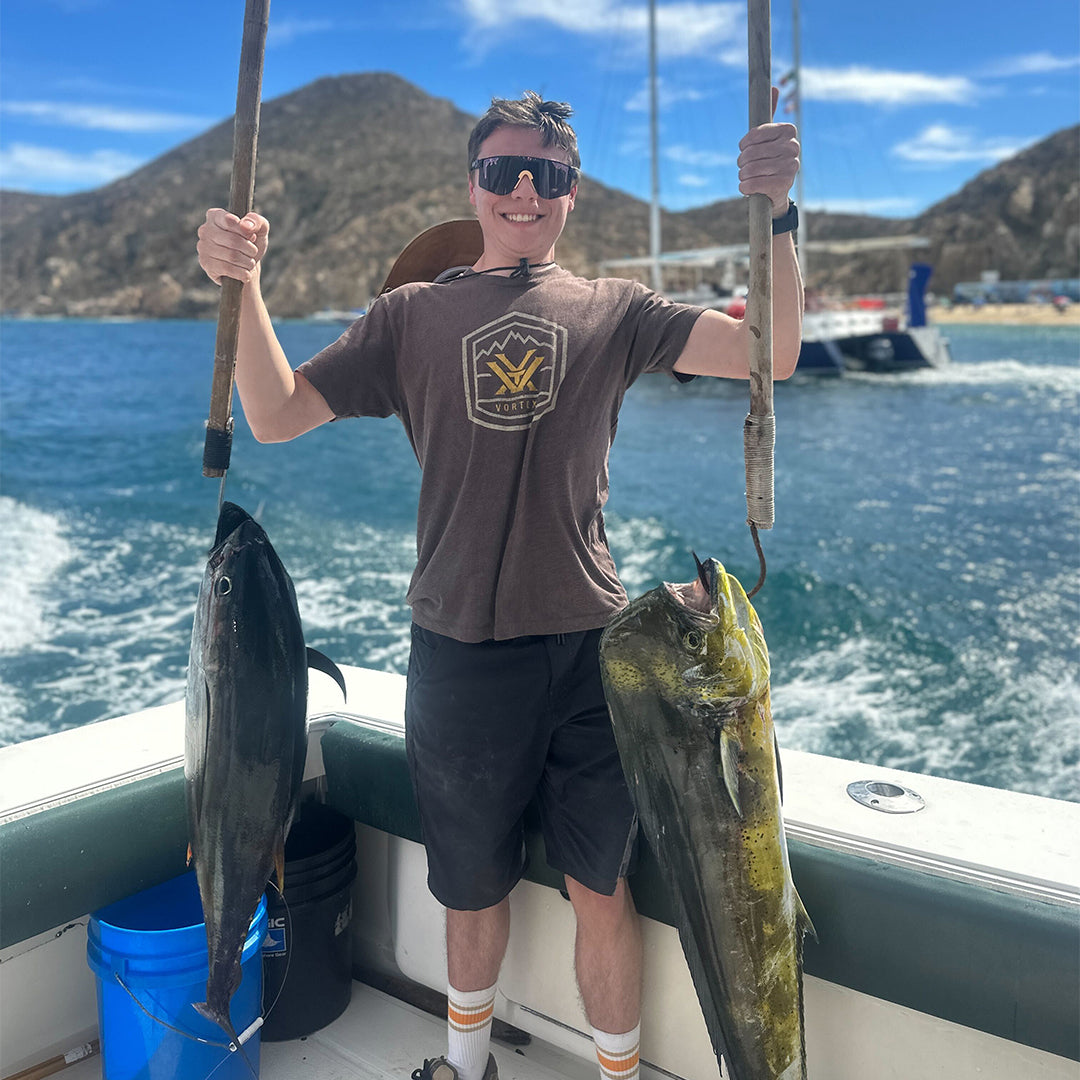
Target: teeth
{"points": [[522, 217]]}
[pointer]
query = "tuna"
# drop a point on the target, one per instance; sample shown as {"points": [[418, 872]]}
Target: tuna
{"points": [[245, 739], [686, 674]]}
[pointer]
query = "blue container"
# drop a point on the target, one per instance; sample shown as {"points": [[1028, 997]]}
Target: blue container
{"points": [[156, 942]]}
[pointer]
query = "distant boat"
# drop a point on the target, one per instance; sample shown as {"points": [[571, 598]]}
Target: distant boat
{"points": [[873, 338], [863, 338], [859, 338]]}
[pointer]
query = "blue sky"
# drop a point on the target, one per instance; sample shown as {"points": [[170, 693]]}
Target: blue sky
{"points": [[902, 103]]}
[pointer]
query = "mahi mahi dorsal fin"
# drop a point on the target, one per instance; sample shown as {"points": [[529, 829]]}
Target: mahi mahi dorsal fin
{"points": [[323, 663], [730, 749]]}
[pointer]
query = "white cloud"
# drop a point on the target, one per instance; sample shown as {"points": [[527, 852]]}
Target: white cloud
{"points": [[874, 86], [286, 31], [698, 159], [692, 180], [43, 167], [667, 96], [682, 29], [1040, 63], [942, 145], [103, 117]]}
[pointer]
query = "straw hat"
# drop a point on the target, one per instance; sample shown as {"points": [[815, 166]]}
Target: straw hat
{"points": [[453, 243]]}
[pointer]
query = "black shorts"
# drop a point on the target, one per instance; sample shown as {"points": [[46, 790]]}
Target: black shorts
{"points": [[488, 726]]}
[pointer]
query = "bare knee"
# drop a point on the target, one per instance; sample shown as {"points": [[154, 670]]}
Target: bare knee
{"points": [[598, 909], [475, 945]]}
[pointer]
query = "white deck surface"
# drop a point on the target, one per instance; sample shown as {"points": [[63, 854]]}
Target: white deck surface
{"points": [[381, 1038]]}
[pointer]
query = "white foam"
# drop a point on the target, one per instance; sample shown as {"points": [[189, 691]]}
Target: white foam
{"points": [[35, 550], [114, 623], [642, 545], [897, 718], [1057, 378]]}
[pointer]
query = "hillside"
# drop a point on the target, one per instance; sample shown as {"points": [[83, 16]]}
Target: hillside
{"points": [[352, 167]]}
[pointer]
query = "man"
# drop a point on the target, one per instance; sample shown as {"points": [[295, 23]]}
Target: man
{"points": [[508, 376]]}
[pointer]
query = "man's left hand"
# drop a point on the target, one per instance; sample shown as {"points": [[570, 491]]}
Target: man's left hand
{"points": [[769, 160]]}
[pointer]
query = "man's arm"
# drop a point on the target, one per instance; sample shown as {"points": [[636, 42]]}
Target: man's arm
{"points": [[720, 345], [278, 404]]}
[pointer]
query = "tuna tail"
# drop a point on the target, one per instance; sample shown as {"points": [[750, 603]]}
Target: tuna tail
{"points": [[225, 1023]]}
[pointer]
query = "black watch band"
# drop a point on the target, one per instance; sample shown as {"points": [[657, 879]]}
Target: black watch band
{"points": [[787, 222]]}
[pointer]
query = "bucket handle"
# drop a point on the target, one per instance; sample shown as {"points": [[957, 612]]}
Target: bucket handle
{"points": [[232, 1047]]}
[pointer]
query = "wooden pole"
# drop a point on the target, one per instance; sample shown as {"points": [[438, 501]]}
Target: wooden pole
{"points": [[218, 447], [759, 429], [657, 279]]}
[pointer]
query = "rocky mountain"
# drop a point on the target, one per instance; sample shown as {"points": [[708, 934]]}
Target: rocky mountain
{"points": [[352, 167]]}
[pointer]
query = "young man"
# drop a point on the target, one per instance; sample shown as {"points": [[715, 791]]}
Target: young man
{"points": [[508, 377]]}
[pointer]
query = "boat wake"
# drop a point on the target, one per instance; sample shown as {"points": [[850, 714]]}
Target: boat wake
{"points": [[1055, 378]]}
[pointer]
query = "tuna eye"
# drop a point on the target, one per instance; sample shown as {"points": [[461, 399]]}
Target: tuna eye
{"points": [[693, 640], [224, 586]]}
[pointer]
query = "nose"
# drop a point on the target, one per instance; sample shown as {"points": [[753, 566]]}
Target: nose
{"points": [[529, 190]]}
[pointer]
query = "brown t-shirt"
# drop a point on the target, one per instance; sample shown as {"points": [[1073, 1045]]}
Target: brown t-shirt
{"points": [[509, 390]]}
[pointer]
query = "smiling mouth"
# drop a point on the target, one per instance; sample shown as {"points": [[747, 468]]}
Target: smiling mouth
{"points": [[523, 219]]}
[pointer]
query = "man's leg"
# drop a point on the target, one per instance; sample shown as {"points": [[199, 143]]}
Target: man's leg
{"points": [[475, 945], [608, 962]]}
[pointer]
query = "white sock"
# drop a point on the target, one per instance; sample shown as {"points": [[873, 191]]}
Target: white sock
{"points": [[469, 1014], [618, 1054]]}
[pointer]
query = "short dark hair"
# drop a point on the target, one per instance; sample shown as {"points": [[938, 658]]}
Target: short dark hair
{"points": [[531, 111]]}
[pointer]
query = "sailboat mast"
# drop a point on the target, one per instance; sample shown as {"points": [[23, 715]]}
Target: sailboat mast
{"points": [[796, 61], [654, 132]]}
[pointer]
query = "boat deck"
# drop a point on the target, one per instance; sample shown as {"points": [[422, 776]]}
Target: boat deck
{"points": [[382, 1038]]}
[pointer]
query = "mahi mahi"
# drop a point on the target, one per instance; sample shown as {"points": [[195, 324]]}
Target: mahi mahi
{"points": [[245, 738], [686, 674]]}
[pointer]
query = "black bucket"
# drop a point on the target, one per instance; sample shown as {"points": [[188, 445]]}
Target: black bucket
{"points": [[307, 954]]}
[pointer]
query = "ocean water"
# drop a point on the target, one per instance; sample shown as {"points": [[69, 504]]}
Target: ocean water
{"points": [[922, 605]]}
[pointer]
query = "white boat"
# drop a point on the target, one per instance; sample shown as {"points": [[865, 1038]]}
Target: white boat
{"points": [[833, 341], [949, 937]]}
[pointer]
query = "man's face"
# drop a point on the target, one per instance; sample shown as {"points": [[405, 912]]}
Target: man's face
{"points": [[521, 224]]}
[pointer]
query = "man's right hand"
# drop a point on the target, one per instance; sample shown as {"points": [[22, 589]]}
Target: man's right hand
{"points": [[230, 246]]}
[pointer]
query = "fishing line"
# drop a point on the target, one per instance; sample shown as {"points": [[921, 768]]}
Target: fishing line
{"points": [[288, 951], [240, 1040], [165, 1023], [231, 1046]]}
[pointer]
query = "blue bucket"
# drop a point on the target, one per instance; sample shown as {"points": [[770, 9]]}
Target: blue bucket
{"points": [[155, 942]]}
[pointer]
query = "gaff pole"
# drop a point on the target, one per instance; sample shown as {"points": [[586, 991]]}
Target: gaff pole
{"points": [[219, 427], [759, 429]]}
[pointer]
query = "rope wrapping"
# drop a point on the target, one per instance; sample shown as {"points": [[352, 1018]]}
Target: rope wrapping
{"points": [[759, 439]]}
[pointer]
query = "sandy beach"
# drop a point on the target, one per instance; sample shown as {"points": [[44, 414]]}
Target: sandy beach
{"points": [[1007, 315]]}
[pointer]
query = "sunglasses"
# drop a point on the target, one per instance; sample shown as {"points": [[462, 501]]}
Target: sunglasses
{"points": [[501, 175]]}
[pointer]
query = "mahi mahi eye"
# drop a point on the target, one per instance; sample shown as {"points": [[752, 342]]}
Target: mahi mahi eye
{"points": [[224, 586], [693, 640]]}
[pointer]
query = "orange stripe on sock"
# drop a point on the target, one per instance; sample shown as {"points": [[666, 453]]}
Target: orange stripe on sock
{"points": [[469, 1019], [619, 1065]]}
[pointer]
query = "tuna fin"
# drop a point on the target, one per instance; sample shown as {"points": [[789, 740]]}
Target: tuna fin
{"points": [[729, 763], [324, 664], [279, 865], [803, 925]]}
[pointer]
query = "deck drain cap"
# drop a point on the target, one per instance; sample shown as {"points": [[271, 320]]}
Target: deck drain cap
{"points": [[887, 797]]}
